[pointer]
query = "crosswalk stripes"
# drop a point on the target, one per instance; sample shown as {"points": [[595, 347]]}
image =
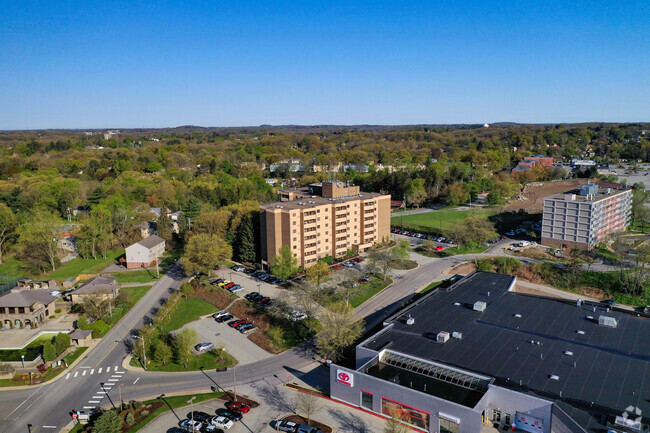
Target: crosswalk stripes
{"points": [[115, 370]]}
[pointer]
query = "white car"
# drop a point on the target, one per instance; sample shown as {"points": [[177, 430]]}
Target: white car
{"points": [[297, 316], [191, 426], [222, 422], [220, 314]]}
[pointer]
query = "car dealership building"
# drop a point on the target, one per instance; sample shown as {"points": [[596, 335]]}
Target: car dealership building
{"points": [[478, 353]]}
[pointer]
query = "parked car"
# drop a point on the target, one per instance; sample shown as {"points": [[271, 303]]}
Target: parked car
{"points": [[337, 267], [236, 288], [224, 318], [348, 264], [209, 428], [241, 325], [252, 296], [304, 428], [287, 426], [250, 330], [439, 248], [246, 326], [222, 422], [199, 416], [236, 322], [191, 426], [238, 406], [220, 314], [204, 347], [297, 316], [231, 414]]}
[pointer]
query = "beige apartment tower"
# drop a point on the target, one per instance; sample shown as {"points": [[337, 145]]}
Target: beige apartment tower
{"points": [[323, 219]]}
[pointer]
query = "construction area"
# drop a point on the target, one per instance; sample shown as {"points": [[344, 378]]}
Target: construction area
{"points": [[531, 199]]}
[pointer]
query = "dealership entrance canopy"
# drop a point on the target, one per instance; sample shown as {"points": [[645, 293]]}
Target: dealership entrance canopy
{"points": [[478, 353]]}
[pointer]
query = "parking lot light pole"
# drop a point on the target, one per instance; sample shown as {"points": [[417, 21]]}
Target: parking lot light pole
{"points": [[22, 359], [191, 402], [144, 354]]}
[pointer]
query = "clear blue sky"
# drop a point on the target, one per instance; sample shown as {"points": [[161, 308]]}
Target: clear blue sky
{"points": [[95, 64]]}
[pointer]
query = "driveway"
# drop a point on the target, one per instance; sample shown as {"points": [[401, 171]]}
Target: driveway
{"points": [[235, 343]]}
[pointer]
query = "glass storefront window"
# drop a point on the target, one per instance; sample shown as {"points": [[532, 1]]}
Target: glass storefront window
{"points": [[447, 426], [366, 400], [404, 413]]}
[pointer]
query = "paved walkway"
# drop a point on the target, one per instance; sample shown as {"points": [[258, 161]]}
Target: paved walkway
{"points": [[277, 401]]}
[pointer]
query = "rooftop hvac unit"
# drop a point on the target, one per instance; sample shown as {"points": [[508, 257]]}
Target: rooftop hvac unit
{"points": [[442, 337], [457, 334], [479, 306], [410, 320], [591, 189], [607, 321]]}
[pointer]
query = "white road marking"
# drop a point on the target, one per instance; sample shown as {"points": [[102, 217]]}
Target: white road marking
{"points": [[49, 426], [89, 407], [83, 373], [113, 380], [75, 374], [92, 371], [67, 375], [93, 401], [101, 392], [108, 369], [100, 370], [136, 380], [120, 372], [116, 375], [98, 397], [115, 369], [108, 385]]}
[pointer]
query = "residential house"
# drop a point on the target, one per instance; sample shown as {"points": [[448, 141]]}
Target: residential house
{"points": [[145, 253], [103, 285], [26, 308]]}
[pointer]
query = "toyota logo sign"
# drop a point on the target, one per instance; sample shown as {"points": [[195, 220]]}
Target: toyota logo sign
{"points": [[345, 378]]}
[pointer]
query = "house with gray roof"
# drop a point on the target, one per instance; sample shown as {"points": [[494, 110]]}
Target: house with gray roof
{"points": [[103, 286], [26, 308], [145, 252]]}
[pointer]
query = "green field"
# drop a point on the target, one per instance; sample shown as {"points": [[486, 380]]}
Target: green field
{"points": [[188, 311], [83, 266], [32, 351], [440, 220]]}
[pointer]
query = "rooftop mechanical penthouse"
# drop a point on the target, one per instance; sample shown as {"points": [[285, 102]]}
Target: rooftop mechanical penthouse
{"points": [[478, 353]]}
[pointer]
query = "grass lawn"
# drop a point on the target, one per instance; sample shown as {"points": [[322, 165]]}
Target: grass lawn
{"points": [[111, 318], [431, 287], [10, 267], [207, 360], [49, 374], [361, 293], [32, 351], [136, 276], [135, 293], [440, 220], [188, 311], [82, 266]]}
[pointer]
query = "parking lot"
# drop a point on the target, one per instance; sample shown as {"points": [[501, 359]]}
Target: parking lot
{"points": [[418, 238], [235, 343]]}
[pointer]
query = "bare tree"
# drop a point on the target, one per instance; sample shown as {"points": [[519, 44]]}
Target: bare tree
{"points": [[340, 330], [307, 299], [307, 405]]}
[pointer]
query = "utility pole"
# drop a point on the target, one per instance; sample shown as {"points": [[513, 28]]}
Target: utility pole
{"points": [[157, 270]]}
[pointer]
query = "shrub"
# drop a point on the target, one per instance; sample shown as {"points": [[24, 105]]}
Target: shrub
{"points": [[137, 405], [144, 413], [77, 308], [61, 342], [82, 323], [57, 310], [49, 352], [129, 418]]}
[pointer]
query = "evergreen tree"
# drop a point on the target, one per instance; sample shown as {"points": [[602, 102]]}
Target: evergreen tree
{"points": [[192, 208], [246, 244], [49, 352], [61, 342], [98, 194], [108, 422]]}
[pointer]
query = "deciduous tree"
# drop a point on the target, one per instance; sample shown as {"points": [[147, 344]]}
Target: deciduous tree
{"points": [[8, 226], [203, 252], [340, 330], [284, 264], [318, 273]]}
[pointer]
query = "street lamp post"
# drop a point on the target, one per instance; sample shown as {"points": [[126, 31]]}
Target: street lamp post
{"points": [[144, 353], [191, 402], [106, 392], [22, 359]]}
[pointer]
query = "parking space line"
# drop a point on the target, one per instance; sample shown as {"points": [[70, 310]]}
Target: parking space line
{"points": [[92, 371], [76, 373], [100, 370]]}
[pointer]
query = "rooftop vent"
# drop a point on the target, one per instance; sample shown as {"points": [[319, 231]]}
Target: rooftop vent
{"points": [[518, 316], [479, 306], [442, 337], [580, 332], [608, 321], [457, 334], [568, 353], [554, 377], [410, 320], [457, 303]]}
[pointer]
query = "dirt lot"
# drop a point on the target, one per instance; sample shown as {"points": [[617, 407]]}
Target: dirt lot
{"points": [[531, 199], [462, 269]]}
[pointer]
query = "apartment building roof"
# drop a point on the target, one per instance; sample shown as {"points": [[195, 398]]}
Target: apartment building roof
{"points": [[574, 195], [308, 201], [26, 298], [553, 348]]}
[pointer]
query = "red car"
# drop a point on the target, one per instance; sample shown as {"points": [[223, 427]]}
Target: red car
{"points": [[358, 259], [236, 323], [238, 406], [229, 285], [439, 248], [337, 267]]}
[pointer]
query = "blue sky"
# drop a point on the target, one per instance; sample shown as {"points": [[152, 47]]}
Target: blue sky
{"points": [[87, 64]]}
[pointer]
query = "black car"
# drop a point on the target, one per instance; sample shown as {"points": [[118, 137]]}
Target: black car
{"points": [[230, 414], [222, 319], [199, 416], [253, 296]]}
